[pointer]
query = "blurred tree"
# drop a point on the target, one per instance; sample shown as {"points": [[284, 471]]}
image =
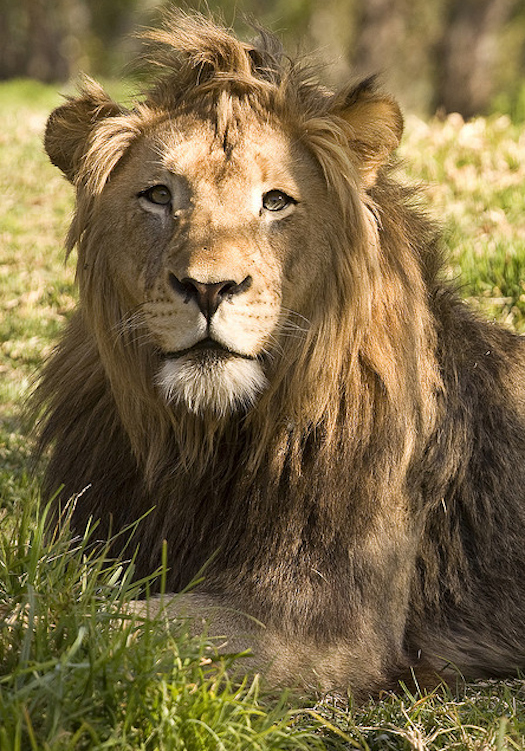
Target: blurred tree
{"points": [[50, 39], [396, 38], [438, 55], [111, 24], [32, 37], [468, 53]]}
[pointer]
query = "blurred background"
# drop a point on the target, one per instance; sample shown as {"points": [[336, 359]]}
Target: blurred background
{"points": [[443, 56]]}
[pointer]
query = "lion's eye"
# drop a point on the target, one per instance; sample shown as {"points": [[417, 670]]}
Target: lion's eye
{"points": [[158, 194], [276, 200]]}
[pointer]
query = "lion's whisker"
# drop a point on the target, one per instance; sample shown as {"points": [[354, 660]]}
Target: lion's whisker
{"points": [[295, 314], [131, 323]]}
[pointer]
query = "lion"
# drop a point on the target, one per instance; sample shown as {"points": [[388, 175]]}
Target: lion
{"points": [[268, 365]]}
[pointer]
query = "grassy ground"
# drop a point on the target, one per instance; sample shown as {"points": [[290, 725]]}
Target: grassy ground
{"points": [[76, 671]]}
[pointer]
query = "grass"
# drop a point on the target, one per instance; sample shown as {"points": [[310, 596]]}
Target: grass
{"points": [[475, 173], [77, 669]]}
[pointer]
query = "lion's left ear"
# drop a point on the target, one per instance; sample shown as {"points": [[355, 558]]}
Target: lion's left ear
{"points": [[374, 124]]}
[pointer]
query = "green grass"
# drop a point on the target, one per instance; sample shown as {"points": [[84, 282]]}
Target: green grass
{"points": [[77, 670], [475, 173]]}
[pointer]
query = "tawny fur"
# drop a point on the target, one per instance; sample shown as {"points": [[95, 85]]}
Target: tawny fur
{"points": [[366, 503]]}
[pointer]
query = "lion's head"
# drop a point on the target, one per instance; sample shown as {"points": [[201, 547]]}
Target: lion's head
{"points": [[211, 215]]}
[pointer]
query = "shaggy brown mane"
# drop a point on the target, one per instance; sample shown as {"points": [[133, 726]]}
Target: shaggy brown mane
{"points": [[321, 504]]}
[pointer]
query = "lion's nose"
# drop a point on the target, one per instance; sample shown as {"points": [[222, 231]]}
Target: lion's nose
{"points": [[208, 296]]}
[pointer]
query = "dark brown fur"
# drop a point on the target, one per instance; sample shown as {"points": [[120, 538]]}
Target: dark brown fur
{"points": [[370, 509]]}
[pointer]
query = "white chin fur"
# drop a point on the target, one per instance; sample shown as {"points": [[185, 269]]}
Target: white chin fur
{"points": [[210, 384]]}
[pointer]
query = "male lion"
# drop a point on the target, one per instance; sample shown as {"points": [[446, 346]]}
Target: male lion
{"points": [[265, 353]]}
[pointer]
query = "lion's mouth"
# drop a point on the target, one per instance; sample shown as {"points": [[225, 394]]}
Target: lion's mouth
{"points": [[207, 348], [210, 377]]}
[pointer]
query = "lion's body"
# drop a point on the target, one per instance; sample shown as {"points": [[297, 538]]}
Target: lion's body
{"points": [[265, 353]]}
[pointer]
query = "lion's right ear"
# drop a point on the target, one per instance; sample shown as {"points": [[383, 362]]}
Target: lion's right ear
{"points": [[69, 126]]}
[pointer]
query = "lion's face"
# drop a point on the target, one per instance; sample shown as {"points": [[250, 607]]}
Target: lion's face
{"points": [[212, 239]]}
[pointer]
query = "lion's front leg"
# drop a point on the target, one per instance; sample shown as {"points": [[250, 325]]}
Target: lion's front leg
{"points": [[230, 630], [360, 664]]}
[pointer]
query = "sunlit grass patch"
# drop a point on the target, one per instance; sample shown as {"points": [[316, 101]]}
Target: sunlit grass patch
{"points": [[79, 670], [488, 715], [474, 179]]}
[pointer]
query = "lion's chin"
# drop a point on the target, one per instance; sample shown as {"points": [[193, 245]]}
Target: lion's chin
{"points": [[218, 384]]}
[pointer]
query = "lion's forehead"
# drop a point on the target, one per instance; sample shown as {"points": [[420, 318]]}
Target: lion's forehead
{"points": [[260, 157]]}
